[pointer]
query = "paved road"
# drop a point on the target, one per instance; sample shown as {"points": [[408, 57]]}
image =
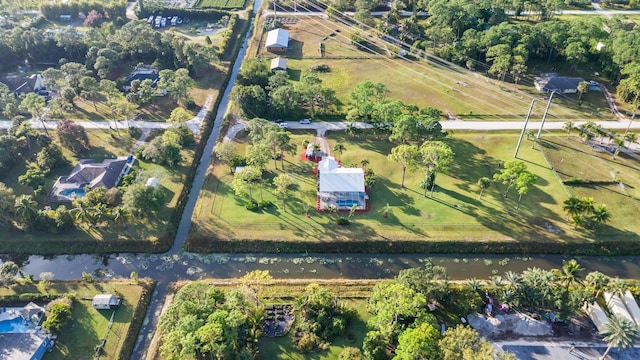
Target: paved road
{"points": [[532, 349]]}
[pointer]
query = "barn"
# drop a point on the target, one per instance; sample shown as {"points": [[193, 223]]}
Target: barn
{"points": [[105, 302], [277, 40]]}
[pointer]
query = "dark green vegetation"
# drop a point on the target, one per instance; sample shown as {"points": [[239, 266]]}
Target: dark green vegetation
{"points": [[89, 325], [370, 319]]}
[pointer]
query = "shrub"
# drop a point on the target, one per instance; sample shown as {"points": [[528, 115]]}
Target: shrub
{"points": [[320, 68], [57, 316], [251, 205], [263, 204], [342, 221], [308, 342]]}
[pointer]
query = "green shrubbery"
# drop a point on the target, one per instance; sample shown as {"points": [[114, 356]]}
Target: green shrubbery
{"points": [[58, 313]]}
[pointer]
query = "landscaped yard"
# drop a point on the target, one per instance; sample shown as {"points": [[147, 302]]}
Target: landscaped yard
{"points": [[79, 339], [148, 234], [453, 214]]}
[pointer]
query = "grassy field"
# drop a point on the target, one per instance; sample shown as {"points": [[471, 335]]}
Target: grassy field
{"points": [[139, 235], [466, 94], [454, 212], [88, 326]]}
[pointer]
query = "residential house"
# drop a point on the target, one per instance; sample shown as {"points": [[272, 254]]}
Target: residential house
{"points": [[24, 84], [142, 73], [277, 40], [551, 82], [107, 173], [24, 346], [340, 187], [278, 63]]}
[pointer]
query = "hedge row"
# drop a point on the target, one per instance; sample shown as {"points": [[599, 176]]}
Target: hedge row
{"points": [[604, 247], [111, 9], [20, 299], [136, 321]]}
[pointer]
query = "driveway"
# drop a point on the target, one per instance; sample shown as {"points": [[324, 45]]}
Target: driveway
{"points": [[526, 349]]}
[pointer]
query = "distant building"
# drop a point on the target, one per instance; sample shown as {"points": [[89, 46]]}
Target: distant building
{"points": [[277, 40], [142, 73], [24, 84], [105, 302], [65, 17], [551, 82], [278, 63]]}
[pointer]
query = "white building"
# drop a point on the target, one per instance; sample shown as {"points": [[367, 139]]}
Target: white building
{"points": [[277, 40], [340, 187], [105, 301]]}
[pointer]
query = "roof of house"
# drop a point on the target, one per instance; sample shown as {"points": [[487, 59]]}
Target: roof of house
{"points": [[31, 309], [22, 83], [551, 82], [142, 73], [279, 63], [105, 299], [277, 38], [328, 163], [22, 346], [105, 173], [342, 180]]}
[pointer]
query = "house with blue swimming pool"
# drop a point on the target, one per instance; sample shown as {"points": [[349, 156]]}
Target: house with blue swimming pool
{"points": [[107, 173], [340, 187], [21, 337]]}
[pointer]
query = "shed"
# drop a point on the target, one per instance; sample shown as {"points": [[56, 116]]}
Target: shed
{"points": [[30, 310], [105, 301], [277, 40], [278, 63]]}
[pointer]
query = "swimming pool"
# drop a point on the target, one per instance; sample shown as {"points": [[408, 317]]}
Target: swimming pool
{"points": [[14, 325], [72, 193]]}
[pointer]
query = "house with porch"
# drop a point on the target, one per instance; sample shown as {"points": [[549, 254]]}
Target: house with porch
{"points": [[340, 187], [552, 82]]}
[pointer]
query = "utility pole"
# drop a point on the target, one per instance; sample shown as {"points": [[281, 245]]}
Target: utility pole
{"points": [[275, 17], [544, 117], [524, 128]]}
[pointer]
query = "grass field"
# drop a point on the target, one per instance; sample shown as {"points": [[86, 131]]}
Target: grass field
{"points": [[221, 4], [138, 235], [454, 212], [79, 339], [469, 95]]}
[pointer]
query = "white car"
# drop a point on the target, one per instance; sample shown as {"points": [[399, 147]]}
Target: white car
{"points": [[284, 125], [305, 121]]}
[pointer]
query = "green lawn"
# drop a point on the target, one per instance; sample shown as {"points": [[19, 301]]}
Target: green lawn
{"points": [[79, 339], [149, 234], [454, 212]]}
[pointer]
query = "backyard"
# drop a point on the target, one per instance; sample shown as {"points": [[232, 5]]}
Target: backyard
{"points": [[80, 338]]}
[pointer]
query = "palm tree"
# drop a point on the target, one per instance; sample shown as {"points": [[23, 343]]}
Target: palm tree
{"points": [[316, 149], [601, 214], [619, 143], [119, 215], [570, 273], [364, 163], [474, 284], [483, 184], [568, 126], [597, 282], [83, 211], [339, 148], [25, 208], [620, 333], [350, 129], [572, 206], [513, 279], [631, 137]]}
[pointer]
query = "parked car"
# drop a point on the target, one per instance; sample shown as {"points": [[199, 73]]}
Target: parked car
{"points": [[305, 121], [284, 125], [278, 121]]}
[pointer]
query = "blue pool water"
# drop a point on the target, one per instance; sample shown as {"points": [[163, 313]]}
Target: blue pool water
{"points": [[72, 193], [13, 326]]}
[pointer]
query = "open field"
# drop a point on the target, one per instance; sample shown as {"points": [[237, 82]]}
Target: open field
{"points": [[221, 223], [221, 4], [149, 234], [79, 339]]}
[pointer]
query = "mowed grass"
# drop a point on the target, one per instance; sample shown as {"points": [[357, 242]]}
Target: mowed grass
{"points": [[79, 339], [148, 232], [454, 212], [613, 182], [221, 4], [466, 94]]}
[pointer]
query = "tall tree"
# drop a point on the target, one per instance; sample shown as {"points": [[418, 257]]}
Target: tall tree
{"points": [[26, 209], [339, 148], [282, 183], [483, 183], [34, 104], [7, 203], [436, 156], [243, 180], [420, 342], [177, 83], [73, 136], [510, 172], [523, 184]]}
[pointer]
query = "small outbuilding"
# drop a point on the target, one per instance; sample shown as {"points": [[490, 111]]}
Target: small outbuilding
{"points": [[154, 182], [279, 63], [277, 40], [105, 302]]}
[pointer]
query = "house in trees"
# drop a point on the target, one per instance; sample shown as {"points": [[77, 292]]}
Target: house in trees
{"points": [[142, 73], [551, 82], [278, 63], [340, 187], [107, 173], [24, 84], [277, 40]]}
